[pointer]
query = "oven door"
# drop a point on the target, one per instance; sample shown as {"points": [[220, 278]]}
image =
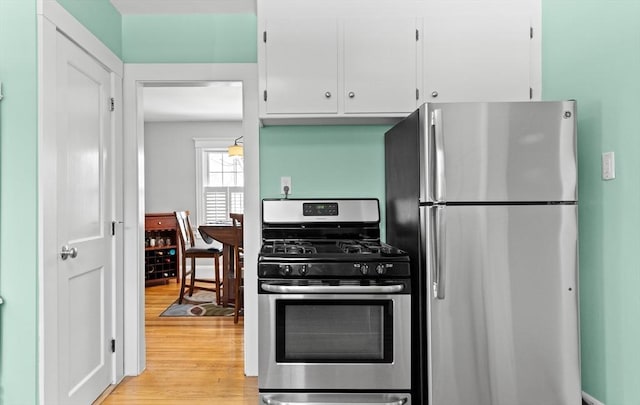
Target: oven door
{"points": [[333, 337]]}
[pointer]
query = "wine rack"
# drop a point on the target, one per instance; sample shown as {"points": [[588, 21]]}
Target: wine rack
{"points": [[161, 249]]}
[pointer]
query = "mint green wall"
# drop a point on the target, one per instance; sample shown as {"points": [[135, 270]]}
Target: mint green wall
{"points": [[186, 38], [18, 149], [101, 18], [323, 161], [18, 203], [591, 52], [205, 38]]}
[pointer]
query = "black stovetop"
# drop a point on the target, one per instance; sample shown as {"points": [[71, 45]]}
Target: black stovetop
{"points": [[341, 258], [332, 248]]}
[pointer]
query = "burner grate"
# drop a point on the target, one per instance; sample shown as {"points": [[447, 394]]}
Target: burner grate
{"points": [[291, 248], [359, 247], [337, 247]]}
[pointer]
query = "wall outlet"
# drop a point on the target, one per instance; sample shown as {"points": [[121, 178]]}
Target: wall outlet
{"points": [[285, 186], [589, 400], [608, 166]]}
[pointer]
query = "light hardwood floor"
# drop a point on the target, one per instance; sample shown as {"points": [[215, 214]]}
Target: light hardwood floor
{"points": [[189, 361]]}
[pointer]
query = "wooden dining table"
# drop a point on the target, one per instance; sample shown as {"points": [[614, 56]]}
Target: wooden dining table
{"points": [[230, 237]]}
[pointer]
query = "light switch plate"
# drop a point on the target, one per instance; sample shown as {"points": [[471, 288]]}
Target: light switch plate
{"points": [[608, 166]]}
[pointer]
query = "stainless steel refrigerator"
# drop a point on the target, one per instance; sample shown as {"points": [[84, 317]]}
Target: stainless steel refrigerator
{"points": [[483, 198]]}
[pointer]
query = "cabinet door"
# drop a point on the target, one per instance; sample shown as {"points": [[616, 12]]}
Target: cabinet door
{"points": [[380, 65], [301, 65], [477, 51]]}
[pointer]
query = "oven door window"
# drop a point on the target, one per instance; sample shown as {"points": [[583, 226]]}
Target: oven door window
{"points": [[347, 331]]}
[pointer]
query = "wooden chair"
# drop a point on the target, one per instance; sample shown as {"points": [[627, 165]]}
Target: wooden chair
{"points": [[190, 250], [238, 265]]}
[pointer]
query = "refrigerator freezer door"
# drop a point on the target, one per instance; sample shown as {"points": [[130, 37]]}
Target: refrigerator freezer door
{"points": [[495, 152], [506, 331]]}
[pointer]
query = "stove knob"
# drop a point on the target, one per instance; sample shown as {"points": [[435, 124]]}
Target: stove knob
{"points": [[364, 269], [303, 270], [285, 269], [381, 269]]}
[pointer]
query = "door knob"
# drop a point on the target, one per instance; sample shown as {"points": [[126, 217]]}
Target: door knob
{"points": [[67, 252]]}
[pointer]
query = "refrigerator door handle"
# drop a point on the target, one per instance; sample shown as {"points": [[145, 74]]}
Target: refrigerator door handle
{"points": [[438, 146], [439, 252]]}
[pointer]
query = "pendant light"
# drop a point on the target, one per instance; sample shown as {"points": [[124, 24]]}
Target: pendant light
{"points": [[236, 149]]}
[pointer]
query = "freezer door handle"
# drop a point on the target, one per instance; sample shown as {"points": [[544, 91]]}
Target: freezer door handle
{"points": [[439, 252], [438, 146]]}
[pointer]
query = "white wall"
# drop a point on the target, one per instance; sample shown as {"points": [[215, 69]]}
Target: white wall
{"points": [[170, 168]]}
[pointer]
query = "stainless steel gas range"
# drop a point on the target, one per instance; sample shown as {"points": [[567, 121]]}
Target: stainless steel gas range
{"points": [[334, 306]]}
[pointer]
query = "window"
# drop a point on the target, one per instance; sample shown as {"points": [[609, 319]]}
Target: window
{"points": [[223, 186], [220, 182]]}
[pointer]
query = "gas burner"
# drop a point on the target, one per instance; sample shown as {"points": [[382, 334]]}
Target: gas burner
{"points": [[358, 247], [298, 249], [290, 248]]}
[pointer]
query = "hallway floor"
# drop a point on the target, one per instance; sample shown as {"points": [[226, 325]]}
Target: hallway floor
{"points": [[190, 360]]}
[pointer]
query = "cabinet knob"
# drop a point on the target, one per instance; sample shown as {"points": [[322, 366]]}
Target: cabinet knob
{"points": [[159, 222], [434, 94], [327, 94], [352, 94]]}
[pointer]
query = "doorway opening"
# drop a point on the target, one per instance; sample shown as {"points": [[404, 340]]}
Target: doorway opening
{"points": [[150, 185], [189, 128]]}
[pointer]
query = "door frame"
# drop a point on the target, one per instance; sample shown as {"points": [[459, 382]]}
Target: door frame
{"points": [[135, 78], [53, 18]]}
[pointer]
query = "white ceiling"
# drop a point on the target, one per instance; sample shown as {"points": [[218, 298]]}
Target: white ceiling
{"points": [[184, 6], [212, 101]]}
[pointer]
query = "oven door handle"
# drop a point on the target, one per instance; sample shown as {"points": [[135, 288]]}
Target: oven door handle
{"points": [[271, 401], [333, 289]]}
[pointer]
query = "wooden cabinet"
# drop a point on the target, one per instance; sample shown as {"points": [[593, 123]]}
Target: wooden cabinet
{"points": [[161, 248], [479, 51]]}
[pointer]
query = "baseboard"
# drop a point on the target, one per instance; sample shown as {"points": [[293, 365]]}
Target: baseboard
{"points": [[589, 400]]}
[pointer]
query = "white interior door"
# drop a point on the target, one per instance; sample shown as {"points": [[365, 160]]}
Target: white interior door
{"points": [[84, 194]]}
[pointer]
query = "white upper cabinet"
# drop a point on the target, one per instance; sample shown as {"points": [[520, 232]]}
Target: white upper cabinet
{"points": [[380, 65], [339, 66], [479, 51], [301, 66], [373, 61]]}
